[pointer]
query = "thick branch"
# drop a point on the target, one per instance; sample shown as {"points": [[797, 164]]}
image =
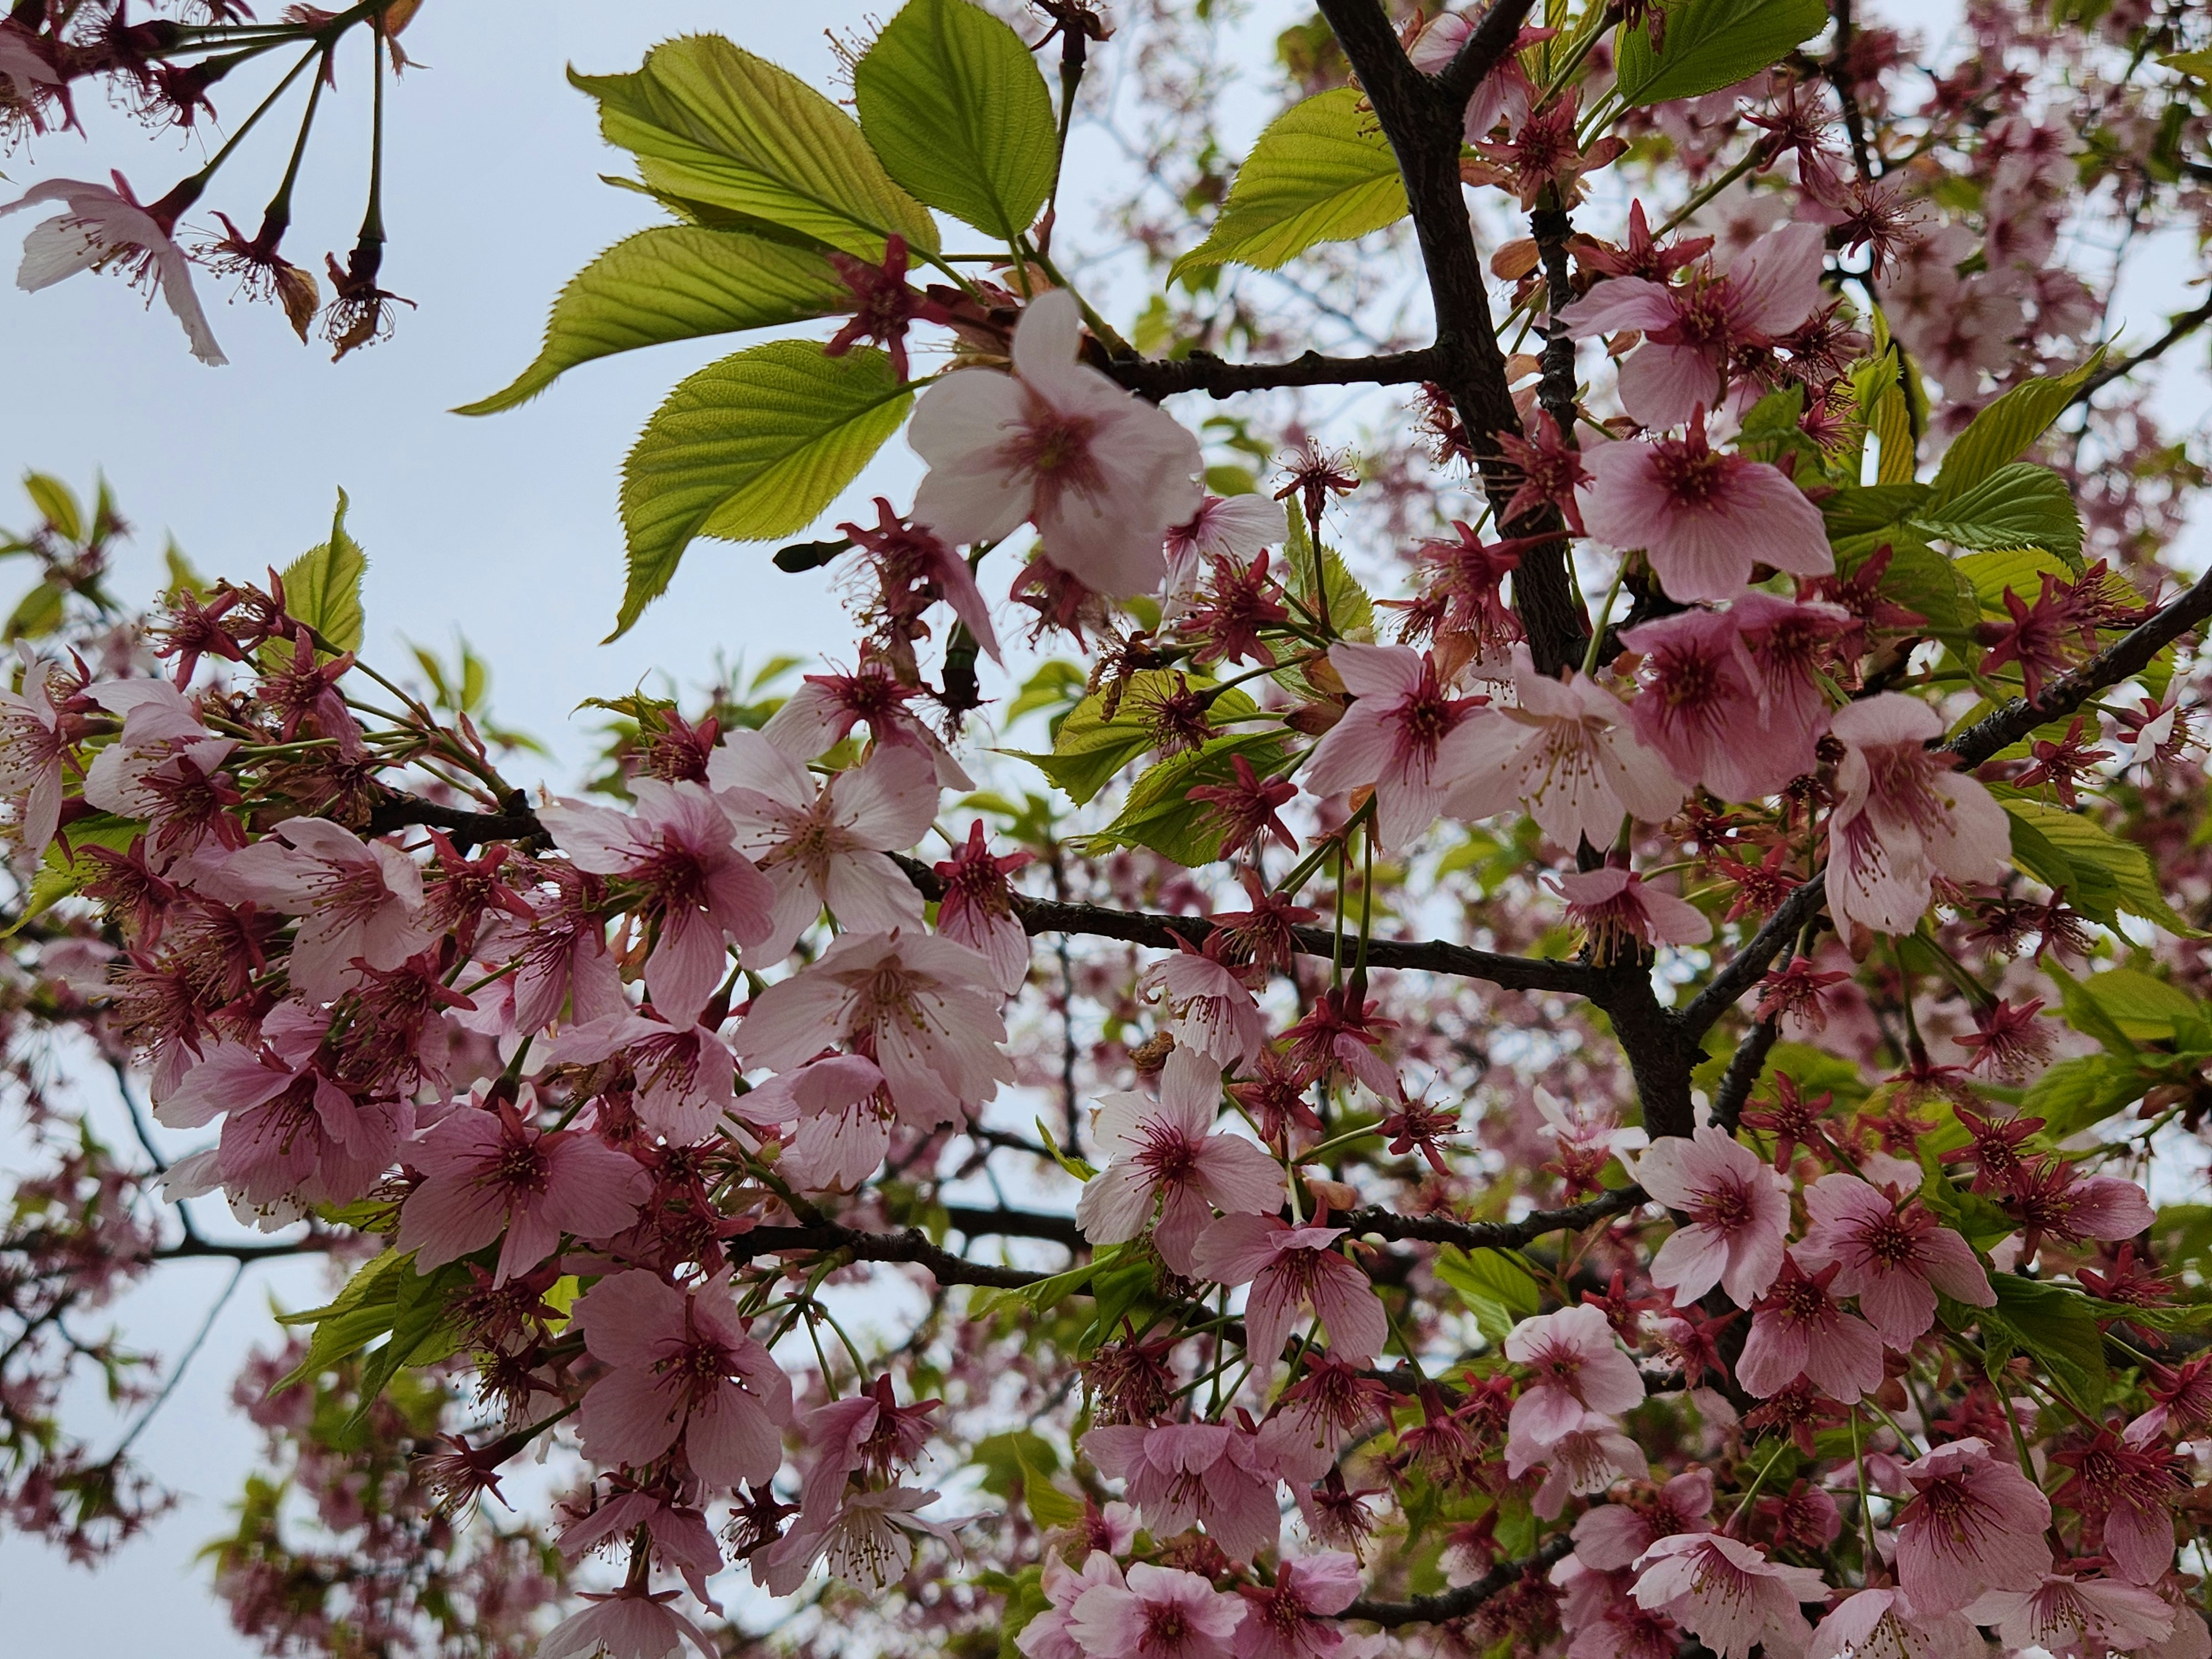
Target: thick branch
{"points": [[1491, 1235], [1204, 372], [1458, 1603], [1016, 1224], [1422, 117], [912, 1245], [1042, 915]]}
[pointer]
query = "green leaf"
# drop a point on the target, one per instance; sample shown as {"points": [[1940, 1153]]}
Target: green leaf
{"points": [[2020, 569], [1026, 1599], [1159, 812], [1498, 1293], [1074, 1166], [1322, 172], [37, 614], [61, 874], [1090, 749], [749, 449], [2197, 65], [322, 586], [1712, 44], [56, 504], [2054, 1324], [363, 1311], [1009, 1458], [952, 102], [2092, 863], [2018, 505], [1855, 510], [1919, 577], [2074, 1094], [2146, 1008], [2003, 430], [421, 1333], [1975, 1217], [713, 124], [674, 283]]}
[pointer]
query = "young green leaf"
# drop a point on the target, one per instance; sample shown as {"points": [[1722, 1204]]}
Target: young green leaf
{"points": [[673, 283], [1159, 812], [955, 106], [749, 449], [1712, 44], [1322, 172], [2101, 873], [2003, 430], [2018, 505], [322, 586], [711, 124]]}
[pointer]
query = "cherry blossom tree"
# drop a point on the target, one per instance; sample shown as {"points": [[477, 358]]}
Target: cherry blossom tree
{"points": [[1558, 1006]]}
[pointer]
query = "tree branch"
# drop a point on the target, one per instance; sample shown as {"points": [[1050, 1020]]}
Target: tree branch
{"points": [[1204, 372], [1162, 932], [912, 1245], [1491, 1235], [1458, 1603], [1423, 120], [1016, 1224], [2180, 329]]}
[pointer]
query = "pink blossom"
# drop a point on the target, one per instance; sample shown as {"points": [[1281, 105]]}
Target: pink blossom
{"points": [[1209, 1009], [101, 227], [826, 708], [680, 1535], [1884, 1622], [1619, 913], [563, 963], [843, 1121], [626, 1625], [1602, 1622], [1166, 1149], [2126, 1482], [1975, 1524], [866, 1540], [1566, 751], [1703, 516], [1186, 1474], [1579, 1366], [977, 909], [1236, 526], [354, 899], [1504, 95], [1782, 643], [2075, 1618], [1162, 1612], [1902, 817], [1294, 1273], [1050, 1634], [1101, 474], [1401, 735], [1728, 1594], [686, 1076], [1294, 1617], [1581, 1461], [702, 894], [826, 847], [1706, 707], [1329, 1402], [294, 1136], [490, 1172], [1738, 1212], [680, 1365], [31, 750], [1892, 1257], [1798, 1329], [924, 1009], [1692, 332], [1610, 1536]]}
